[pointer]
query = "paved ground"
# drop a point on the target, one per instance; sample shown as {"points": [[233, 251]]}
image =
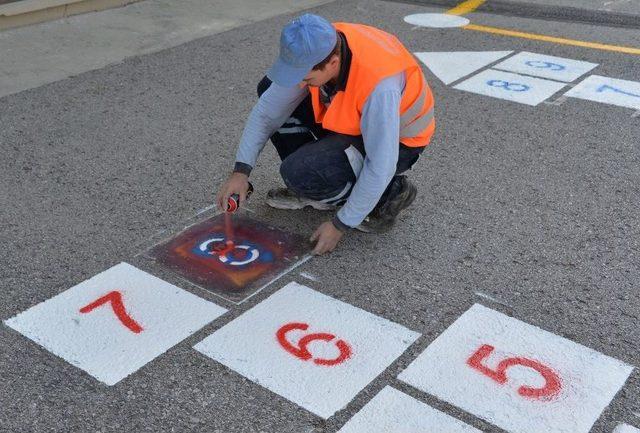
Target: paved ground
{"points": [[621, 6], [52, 51], [624, 6], [534, 207], [604, 12]]}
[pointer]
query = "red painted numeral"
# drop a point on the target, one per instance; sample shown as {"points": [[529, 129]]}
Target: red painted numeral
{"points": [[115, 299], [552, 380], [301, 351]]}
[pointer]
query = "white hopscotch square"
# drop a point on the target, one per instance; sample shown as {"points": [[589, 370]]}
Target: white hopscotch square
{"points": [[625, 428], [565, 390], [545, 66], [267, 345], [613, 91], [158, 316], [395, 411], [512, 87]]}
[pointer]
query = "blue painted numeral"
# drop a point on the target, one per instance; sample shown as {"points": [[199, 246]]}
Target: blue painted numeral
{"points": [[514, 87], [613, 89], [544, 65]]}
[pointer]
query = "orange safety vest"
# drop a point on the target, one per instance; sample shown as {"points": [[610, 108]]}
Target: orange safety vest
{"points": [[376, 55]]}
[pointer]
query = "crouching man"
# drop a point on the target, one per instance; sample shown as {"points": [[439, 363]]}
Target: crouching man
{"points": [[348, 110]]}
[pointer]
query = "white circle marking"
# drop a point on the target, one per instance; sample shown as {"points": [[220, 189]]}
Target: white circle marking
{"points": [[437, 21]]}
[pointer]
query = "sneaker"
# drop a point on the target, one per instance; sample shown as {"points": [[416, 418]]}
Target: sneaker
{"points": [[284, 198], [381, 219]]}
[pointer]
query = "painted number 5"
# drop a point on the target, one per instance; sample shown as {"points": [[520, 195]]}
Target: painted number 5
{"points": [[513, 87], [552, 381]]}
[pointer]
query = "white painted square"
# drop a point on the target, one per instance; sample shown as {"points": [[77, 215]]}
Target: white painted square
{"points": [[625, 428], [394, 411], [622, 93], [545, 66], [586, 380], [451, 66], [251, 346], [512, 87], [97, 341]]}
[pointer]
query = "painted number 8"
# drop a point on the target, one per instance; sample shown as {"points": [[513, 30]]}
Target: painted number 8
{"points": [[544, 65], [550, 389], [514, 87]]}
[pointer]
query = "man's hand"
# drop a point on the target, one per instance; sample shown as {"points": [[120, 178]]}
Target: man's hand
{"points": [[327, 236], [238, 183]]}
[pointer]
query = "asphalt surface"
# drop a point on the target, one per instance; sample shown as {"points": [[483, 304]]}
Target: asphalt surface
{"points": [[52, 51], [625, 13], [534, 206]]}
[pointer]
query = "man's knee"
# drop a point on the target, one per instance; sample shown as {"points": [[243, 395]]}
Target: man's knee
{"points": [[309, 175], [302, 174], [292, 172], [263, 85]]}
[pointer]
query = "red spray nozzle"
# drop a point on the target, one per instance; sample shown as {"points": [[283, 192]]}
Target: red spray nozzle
{"points": [[233, 204]]}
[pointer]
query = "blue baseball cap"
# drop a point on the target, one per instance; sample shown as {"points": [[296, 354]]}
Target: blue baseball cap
{"points": [[304, 42]]}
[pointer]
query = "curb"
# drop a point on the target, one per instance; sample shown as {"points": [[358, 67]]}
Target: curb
{"points": [[26, 12], [550, 12]]}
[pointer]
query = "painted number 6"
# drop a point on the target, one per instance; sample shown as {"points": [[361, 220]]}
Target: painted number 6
{"points": [[301, 350], [514, 87], [552, 381]]}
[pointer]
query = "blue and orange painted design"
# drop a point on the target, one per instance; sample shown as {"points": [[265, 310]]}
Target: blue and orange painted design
{"points": [[235, 270]]}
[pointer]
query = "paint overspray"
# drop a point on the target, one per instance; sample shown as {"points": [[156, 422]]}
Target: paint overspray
{"points": [[257, 254], [233, 204]]}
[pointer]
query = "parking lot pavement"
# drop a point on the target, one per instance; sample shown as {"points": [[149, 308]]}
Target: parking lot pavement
{"points": [[507, 288]]}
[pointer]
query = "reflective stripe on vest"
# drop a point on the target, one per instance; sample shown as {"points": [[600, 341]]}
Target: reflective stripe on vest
{"points": [[410, 125], [417, 126]]}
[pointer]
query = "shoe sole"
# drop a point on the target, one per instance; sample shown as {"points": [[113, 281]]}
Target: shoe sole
{"points": [[363, 229]]}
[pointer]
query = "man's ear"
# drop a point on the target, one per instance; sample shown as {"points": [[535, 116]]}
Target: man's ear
{"points": [[335, 59]]}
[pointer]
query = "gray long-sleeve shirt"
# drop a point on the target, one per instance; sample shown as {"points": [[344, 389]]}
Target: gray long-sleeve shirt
{"points": [[380, 126]]}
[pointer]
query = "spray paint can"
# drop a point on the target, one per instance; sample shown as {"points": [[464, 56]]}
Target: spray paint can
{"points": [[233, 204]]}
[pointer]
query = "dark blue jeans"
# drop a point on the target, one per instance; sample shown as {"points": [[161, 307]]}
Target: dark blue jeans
{"points": [[323, 165]]}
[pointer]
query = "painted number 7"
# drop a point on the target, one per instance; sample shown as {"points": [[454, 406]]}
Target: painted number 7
{"points": [[552, 380], [115, 299], [613, 89]]}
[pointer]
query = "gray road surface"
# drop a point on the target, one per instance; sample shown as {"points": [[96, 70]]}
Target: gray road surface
{"points": [[536, 207]]}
